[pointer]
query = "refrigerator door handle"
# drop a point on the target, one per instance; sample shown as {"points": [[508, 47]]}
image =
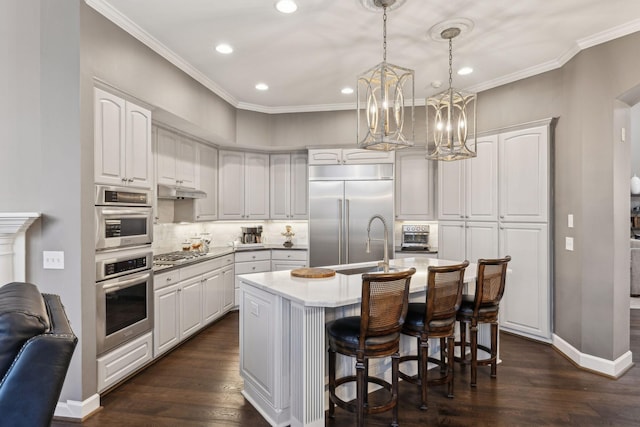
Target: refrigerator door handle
{"points": [[340, 225], [346, 227]]}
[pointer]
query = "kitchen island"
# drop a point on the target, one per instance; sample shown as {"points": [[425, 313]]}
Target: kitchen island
{"points": [[282, 335]]}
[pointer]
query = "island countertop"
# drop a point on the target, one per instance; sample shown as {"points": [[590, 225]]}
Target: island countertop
{"points": [[341, 289]]}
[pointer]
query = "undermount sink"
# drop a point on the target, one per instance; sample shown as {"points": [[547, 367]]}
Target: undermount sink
{"points": [[365, 269]]}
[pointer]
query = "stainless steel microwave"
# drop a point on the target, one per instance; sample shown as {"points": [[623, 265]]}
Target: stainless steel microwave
{"points": [[118, 226]]}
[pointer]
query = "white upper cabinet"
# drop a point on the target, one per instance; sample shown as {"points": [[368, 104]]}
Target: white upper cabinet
{"points": [[468, 189], [288, 183], [176, 160], [207, 180], [336, 156], [243, 185], [524, 175], [414, 186], [122, 142]]}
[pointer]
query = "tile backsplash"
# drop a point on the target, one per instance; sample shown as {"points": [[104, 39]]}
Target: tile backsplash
{"points": [[167, 237]]}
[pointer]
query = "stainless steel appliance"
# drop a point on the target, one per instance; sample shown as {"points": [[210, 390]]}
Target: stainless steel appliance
{"points": [[252, 234], [123, 217], [124, 296], [415, 237], [342, 198]]}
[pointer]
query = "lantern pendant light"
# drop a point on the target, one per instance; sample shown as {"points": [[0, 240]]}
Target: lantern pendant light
{"points": [[383, 103], [452, 114]]}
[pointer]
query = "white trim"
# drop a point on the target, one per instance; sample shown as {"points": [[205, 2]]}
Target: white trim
{"points": [[610, 34], [77, 410], [612, 368]]}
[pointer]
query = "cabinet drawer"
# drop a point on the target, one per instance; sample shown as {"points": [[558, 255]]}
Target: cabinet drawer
{"points": [[253, 256], [122, 362], [165, 279], [253, 267], [288, 255], [205, 267]]}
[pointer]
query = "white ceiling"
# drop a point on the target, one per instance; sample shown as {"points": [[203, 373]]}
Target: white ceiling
{"points": [[307, 57]]}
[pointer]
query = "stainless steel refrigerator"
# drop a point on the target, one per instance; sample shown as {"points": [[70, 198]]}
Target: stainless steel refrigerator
{"points": [[342, 199]]}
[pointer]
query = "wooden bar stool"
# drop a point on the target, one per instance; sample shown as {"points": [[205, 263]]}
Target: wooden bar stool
{"points": [[435, 318], [482, 307], [373, 334]]}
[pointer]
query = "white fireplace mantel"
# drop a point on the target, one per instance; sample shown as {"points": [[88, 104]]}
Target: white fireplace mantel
{"points": [[13, 226]]}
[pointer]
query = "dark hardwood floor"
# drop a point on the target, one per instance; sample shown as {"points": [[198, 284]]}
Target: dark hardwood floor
{"points": [[198, 384]]}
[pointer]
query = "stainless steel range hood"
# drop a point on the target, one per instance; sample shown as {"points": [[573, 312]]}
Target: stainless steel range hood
{"points": [[172, 192]]}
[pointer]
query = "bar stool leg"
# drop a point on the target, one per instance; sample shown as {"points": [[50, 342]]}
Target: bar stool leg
{"points": [[474, 353], [463, 344], [423, 368], [450, 350], [443, 355], [494, 349], [361, 389], [395, 368]]}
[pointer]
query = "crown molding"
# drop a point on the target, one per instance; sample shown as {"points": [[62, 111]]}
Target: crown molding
{"points": [[610, 34], [114, 15]]}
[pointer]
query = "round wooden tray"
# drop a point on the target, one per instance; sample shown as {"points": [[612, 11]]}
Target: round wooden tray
{"points": [[313, 272]]}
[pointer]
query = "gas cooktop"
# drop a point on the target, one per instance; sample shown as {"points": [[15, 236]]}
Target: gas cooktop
{"points": [[176, 258]]}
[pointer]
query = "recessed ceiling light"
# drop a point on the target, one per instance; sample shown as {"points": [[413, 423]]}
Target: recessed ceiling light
{"points": [[286, 6], [347, 90], [464, 71], [224, 48], [262, 86]]}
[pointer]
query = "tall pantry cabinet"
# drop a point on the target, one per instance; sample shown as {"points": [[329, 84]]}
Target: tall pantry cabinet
{"points": [[498, 204]]}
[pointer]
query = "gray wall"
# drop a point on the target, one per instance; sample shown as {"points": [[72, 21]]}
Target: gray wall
{"points": [[54, 51]]}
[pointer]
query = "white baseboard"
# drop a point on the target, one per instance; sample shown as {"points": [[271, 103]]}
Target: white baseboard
{"points": [[74, 409], [611, 368]]}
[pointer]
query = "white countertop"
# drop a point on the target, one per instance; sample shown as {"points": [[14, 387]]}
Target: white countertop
{"points": [[341, 289]]}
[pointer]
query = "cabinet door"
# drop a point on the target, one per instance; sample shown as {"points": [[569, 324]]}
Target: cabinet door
{"points": [[190, 307], [525, 306], [451, 195], [166, 319], [481, 175], [256, 182], [481, 240], [212, 294], [414, 186], [139, 170], [358, 155], [109, 137], [230, 185], [280, 183], [524, 175], [207, 181], [327, 156], [186, 163], [167, 152], [451, 240], [228, 289], [299, 186]]}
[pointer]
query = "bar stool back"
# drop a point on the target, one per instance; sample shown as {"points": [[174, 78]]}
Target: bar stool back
{"points": [[373, 334], [435, 318]]}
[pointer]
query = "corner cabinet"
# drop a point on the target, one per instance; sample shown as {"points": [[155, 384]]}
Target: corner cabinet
{"points": [[122, 142], [415, 179], [243, 185], [288, 186]]}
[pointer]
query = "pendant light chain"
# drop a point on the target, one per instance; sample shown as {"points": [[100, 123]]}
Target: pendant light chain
{"points": [[384, 34], [450, 62]]}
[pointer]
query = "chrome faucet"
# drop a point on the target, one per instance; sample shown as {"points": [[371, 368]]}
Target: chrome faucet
{"points": [[385, 263]]}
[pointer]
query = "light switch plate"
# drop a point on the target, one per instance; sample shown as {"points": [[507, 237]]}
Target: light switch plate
{"points": [[53, 260], [570, 220], [568, 243]]}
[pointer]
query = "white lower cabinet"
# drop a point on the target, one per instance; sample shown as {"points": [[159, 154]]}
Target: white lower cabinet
{"points": [[123, 361], [250, 262], [287, 259], [526, 304], [187, 299]]}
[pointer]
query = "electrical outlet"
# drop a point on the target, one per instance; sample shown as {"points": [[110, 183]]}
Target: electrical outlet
{"points": [[53, 260], [568, 243]]}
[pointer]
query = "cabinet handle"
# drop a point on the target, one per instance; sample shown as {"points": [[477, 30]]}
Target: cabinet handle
{"points": [[124, 179], [253, 268], [168, 279], [501, 216], [130, 180]]}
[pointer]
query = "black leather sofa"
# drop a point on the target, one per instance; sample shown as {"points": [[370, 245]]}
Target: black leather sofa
{"points": [[36, 345]]}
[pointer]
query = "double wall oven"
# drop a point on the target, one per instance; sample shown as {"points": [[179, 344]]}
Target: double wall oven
{"points": [[124, 258]]}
